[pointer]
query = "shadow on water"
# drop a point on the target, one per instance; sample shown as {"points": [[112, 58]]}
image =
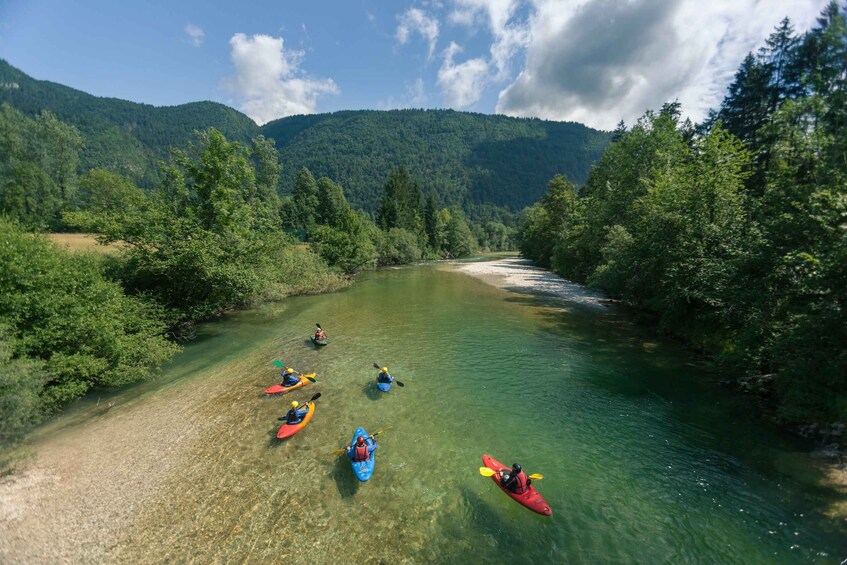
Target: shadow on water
{"points": [[308, 343], [371, 391], [342, 473]]}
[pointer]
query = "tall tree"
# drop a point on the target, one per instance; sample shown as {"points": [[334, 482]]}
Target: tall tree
{"points": [[331, 203], [401, 203], [266, 204], [304, 200]]}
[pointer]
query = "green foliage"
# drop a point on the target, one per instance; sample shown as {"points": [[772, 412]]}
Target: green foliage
{"points": [[22, 380], [398, 247], [38, 162], [195, 245], [401, 203], [300, 211], [265, 202], [733, 237], [332, 205], [59, 308], [453, 234], [349, 245], [294, 269]]}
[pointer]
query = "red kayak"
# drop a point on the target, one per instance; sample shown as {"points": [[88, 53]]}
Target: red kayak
{"points": [[279, 389], [531, 499]]}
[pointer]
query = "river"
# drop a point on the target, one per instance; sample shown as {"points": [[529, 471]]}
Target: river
{"points": [[644, 459]]}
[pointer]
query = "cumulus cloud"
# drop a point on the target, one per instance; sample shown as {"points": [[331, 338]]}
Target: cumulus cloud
{"points": [[414, 20], [463, 83], [195, 34], [599, 61], [268, 79], [509, 34]]}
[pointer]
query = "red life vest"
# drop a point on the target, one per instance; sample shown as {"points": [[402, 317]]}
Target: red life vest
{"points": [[520, 486], [361, 453]]}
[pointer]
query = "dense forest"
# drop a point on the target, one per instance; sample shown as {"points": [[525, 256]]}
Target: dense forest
{"points": [[484, 164], [469, 160], [732, 234], [121, 136]]}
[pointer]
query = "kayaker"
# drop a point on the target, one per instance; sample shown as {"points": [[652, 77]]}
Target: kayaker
{"points": [[362, 450], [289, 378], [384, 377], [515, 479], [320, 335], [295, 416]]}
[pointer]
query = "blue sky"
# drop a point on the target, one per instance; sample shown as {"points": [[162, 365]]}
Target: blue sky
{"points": [[592, 61]]}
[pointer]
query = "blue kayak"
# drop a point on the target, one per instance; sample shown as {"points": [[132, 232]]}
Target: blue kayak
{"points": [[363, 469], [384, 387]]}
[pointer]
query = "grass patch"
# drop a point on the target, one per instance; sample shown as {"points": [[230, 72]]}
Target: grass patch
{"points": [[75, 242]]}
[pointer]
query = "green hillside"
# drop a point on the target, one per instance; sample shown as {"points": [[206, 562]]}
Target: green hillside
{"points": [[472, 160], [121, 136], [467, 159]]}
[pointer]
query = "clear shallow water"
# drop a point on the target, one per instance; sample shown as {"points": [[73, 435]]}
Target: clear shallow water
{"points": [[644, 460]]}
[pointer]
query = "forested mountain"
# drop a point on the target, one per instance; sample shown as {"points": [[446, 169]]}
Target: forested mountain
{"points": [[122, 136], [472, 160], [466, 159]]}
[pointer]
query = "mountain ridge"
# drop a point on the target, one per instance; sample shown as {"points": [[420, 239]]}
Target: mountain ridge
{"points": [[468, 159]]}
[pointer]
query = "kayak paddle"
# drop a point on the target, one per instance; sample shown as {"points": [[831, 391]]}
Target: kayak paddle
{"points": [[340, 451], [318, 395], [281, 366], [378, 368], [486, 472]]}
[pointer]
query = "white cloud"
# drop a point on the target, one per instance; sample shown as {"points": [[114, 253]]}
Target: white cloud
{"points": [[510, 34], [414, 20], [415, 97], [463, 83], [268, 80], [599, 61], [196, 34]]}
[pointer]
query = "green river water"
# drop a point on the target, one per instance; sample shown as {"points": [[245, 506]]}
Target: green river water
{"points": [[645, 459]]}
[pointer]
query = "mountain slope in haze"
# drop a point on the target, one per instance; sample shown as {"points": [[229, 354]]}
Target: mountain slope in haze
{"points": [[467, 159], [121, 136]]}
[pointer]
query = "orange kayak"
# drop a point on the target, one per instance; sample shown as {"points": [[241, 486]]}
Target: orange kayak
{"points": [[288, 430]]}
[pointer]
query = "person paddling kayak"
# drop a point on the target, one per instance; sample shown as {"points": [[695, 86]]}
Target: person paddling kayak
{"points": [[320, 335], [384, 377], [363, 449], [295, 416], [289, 378], [515, 479]]}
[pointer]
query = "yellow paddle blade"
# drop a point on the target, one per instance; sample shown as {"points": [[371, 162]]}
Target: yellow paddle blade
{"points": [[536, 477], [486, 472], [339, 451]]}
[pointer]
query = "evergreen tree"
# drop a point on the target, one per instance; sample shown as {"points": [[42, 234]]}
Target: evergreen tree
{"points": [[304, 199], [430, 216], [331, 203], [401, 203], [266, 204]]}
